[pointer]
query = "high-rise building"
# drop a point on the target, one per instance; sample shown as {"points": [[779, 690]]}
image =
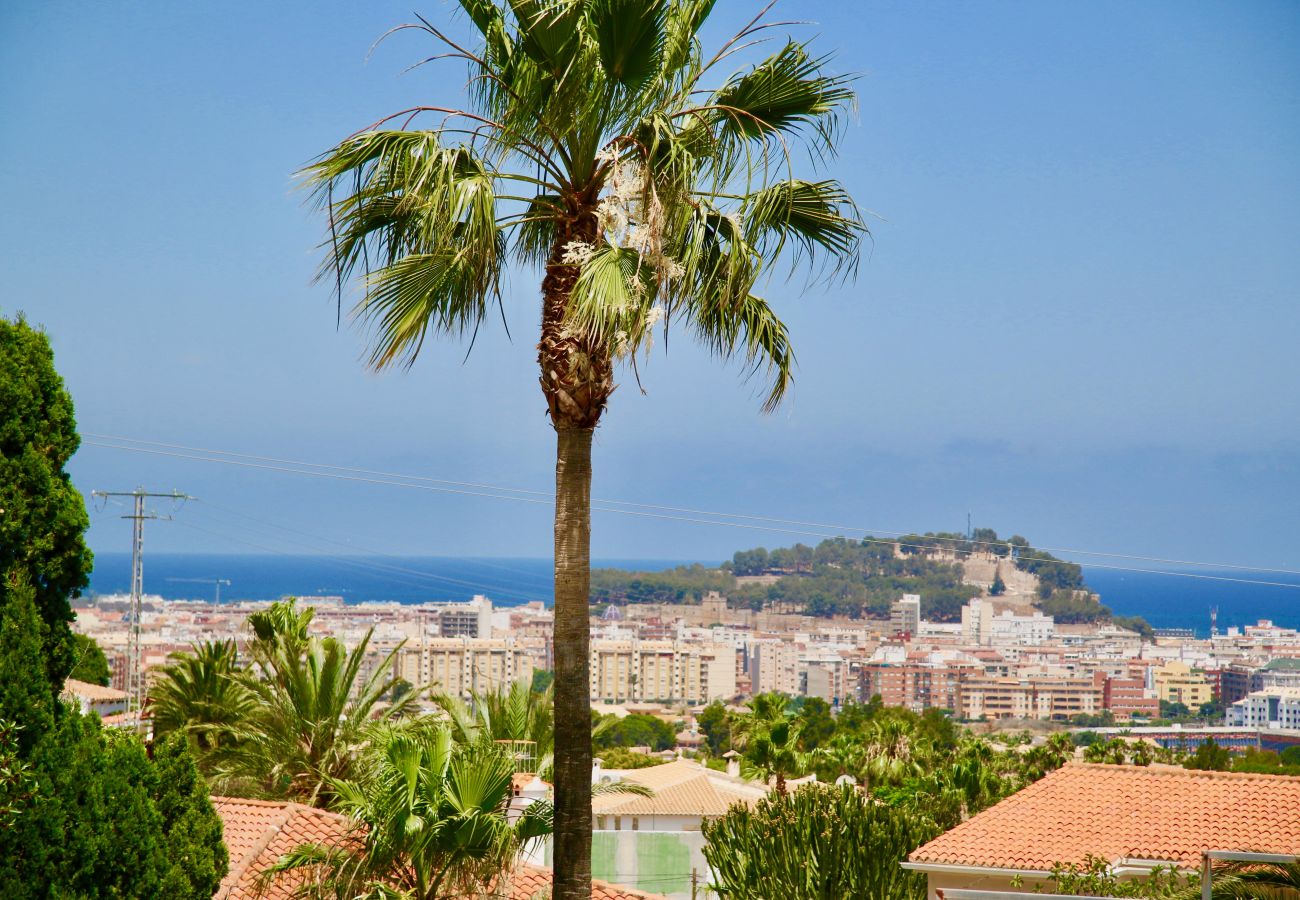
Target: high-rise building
{"points": [[472, 619], [1272, 708], [905, 616], [1177, 682], [774, 666]]}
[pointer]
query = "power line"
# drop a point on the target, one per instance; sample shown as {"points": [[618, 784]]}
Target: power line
{"points": [[829, 531], [839, 529], [391, 573], [485, 587]]}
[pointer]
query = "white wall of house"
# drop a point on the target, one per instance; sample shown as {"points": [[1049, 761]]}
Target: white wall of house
{"points": [[647, 823], [990, 882]]}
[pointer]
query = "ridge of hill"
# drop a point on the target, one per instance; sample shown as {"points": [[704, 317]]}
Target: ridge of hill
{"points": [[860, 578]]}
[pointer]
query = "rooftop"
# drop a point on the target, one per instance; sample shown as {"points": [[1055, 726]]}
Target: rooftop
{"points": [[92, 692], [258, 832], [681, 788], [1157, 813]]}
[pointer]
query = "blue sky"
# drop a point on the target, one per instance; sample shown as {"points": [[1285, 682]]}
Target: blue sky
{"points": [[1077, 318]]}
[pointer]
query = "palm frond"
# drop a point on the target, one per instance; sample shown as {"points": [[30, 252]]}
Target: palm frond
{"points": [[814, 215], [566, 98], [630, 36], [425, 216], [787, 93], [610, 299]]}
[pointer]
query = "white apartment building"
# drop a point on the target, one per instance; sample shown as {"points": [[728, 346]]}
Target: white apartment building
{"points": [[774, 666], [634, 670], [905, 616], [826, 676], [472, 619], [979, 625], [1274, 708], [461, 666]]}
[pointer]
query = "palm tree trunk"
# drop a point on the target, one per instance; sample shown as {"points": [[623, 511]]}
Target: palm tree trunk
{"points": [[572, 681], [577, 379]]}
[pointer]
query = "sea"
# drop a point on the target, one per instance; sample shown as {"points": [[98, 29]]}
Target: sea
{"points": [[1170, 598]]}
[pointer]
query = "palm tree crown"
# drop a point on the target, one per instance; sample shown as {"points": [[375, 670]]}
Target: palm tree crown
{"points": [[591, 144]]}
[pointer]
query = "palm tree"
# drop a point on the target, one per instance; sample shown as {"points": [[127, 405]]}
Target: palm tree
{"points": [[1112, 752], [279, 630], [893, 753], [202, 694], [844, 756], [312, 710], [1049, 756], [768, 739], [601, 144], [515, 714], [431, 821], [1254, 881], [772, 753]]}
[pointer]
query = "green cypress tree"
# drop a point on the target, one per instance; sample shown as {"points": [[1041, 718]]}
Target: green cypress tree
{"points": [[197, 857], [86, 813], [44, 516], [89, 662], [25, 695]]}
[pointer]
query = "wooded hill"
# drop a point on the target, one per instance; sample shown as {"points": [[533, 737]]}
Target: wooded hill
{"points": [[860, 578]]}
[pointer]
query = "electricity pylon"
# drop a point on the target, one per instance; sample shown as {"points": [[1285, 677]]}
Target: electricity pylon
{"points": [[135, 681]]}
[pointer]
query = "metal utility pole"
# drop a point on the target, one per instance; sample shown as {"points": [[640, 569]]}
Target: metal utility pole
{"points": [[135, 682]]}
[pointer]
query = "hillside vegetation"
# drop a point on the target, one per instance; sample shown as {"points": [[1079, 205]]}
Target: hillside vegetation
{"points": [[860, 578]]}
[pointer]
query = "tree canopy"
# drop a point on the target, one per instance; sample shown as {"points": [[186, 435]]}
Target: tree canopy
{"points": [[44, 515], [860, 578]]}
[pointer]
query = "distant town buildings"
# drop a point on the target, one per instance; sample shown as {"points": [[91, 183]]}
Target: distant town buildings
{"points": [[1176, 682], [461, 666], [661, 671], [1003, 661], [1272, 708]]}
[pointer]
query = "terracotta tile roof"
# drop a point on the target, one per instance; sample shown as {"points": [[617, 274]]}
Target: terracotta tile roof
{"points": [[522, 781], [258, 832], [680, 788], [1126, 812], [95, 692]]}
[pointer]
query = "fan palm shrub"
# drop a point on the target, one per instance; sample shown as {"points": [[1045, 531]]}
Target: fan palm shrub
{"points": [[514, 713], [431, 819], [1255, 881]]}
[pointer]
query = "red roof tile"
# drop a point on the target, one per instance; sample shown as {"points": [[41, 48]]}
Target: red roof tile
{"points": [[1126, 812], [258, 832]]}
